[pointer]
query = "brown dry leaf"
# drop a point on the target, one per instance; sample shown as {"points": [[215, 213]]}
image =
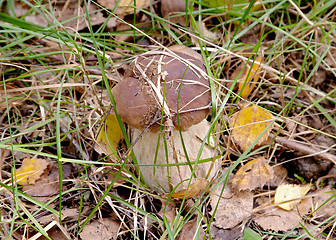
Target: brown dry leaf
{"points": [[290, 193], [73, 10], [253, 174], [195, 189], [232, 209], [168, 209], [191, 230], [277, 219], [204, 32], [67, 214], [30, 171], [102, 229], [170, 9], [109, 136], [125, 6], [313, 231], [55, 234], [220, 234], [279, 176], [47, 186], [250, 77], [248, 124], [321, 206]]}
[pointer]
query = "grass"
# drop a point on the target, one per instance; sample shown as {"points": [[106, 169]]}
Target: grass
{"points": [[56, 88]]}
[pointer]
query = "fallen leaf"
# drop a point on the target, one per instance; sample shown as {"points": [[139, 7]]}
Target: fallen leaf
{"points": [[324, 202], [172, 9], [290, 193], [109, 136], [191, 230], [47, 186], [232, 209], [67, 214], [277, 219], [248, 124], [279, 176], [220, 234], [312, 230], [253, 174], [73, 17], [205, 32], [101, 229], [195, 189], [124, 7], [55, 234], [168, 209], [30, 170], [250, 77]]}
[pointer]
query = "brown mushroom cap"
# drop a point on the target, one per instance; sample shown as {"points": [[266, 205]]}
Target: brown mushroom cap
{"points": [[138, 104]]}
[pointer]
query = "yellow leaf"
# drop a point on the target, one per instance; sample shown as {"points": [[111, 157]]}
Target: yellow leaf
{"points": [[248, 124], [109, 136], [196, 188], [30, 170], [253, 174], [290, 193], [251, 77]]}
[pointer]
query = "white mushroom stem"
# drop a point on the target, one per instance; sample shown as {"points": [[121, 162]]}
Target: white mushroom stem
{"points": [[168, 177]]}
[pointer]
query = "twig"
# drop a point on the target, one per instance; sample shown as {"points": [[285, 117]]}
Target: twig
{"points": [[314, 152]]}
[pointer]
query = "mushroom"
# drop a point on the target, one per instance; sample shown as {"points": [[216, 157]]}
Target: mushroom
{"points": [[162, 92]]}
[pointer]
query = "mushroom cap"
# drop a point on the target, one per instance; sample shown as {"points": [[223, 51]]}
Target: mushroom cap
{"points": [[178, 78]]}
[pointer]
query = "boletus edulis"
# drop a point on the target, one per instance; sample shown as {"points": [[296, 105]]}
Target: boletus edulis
{"points": [[162, 92]]}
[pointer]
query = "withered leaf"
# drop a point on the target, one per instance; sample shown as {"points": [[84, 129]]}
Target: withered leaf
{"points": [[47, 186], [168, 209], [252, 175], [109, 136], [123, 7], [248, 124], [195, 189], [277, 219], [289, 194], [232, 207], [30, 170], [250, 77], [101, 229], [324, 202], [190, 230]]}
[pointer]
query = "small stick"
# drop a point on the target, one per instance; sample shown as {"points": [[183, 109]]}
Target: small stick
{"points": [[314, 152]]}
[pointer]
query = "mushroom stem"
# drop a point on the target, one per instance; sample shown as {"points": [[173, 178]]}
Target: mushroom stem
{"points": [[166, 167]]}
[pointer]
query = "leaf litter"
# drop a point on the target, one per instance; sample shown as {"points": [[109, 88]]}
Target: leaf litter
{"points": [[232, 207], [249, 124], [253, 174], [30, 170], [290, 194]]}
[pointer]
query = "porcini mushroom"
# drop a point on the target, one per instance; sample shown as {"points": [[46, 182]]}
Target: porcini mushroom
{"points": [[162, 92]]}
